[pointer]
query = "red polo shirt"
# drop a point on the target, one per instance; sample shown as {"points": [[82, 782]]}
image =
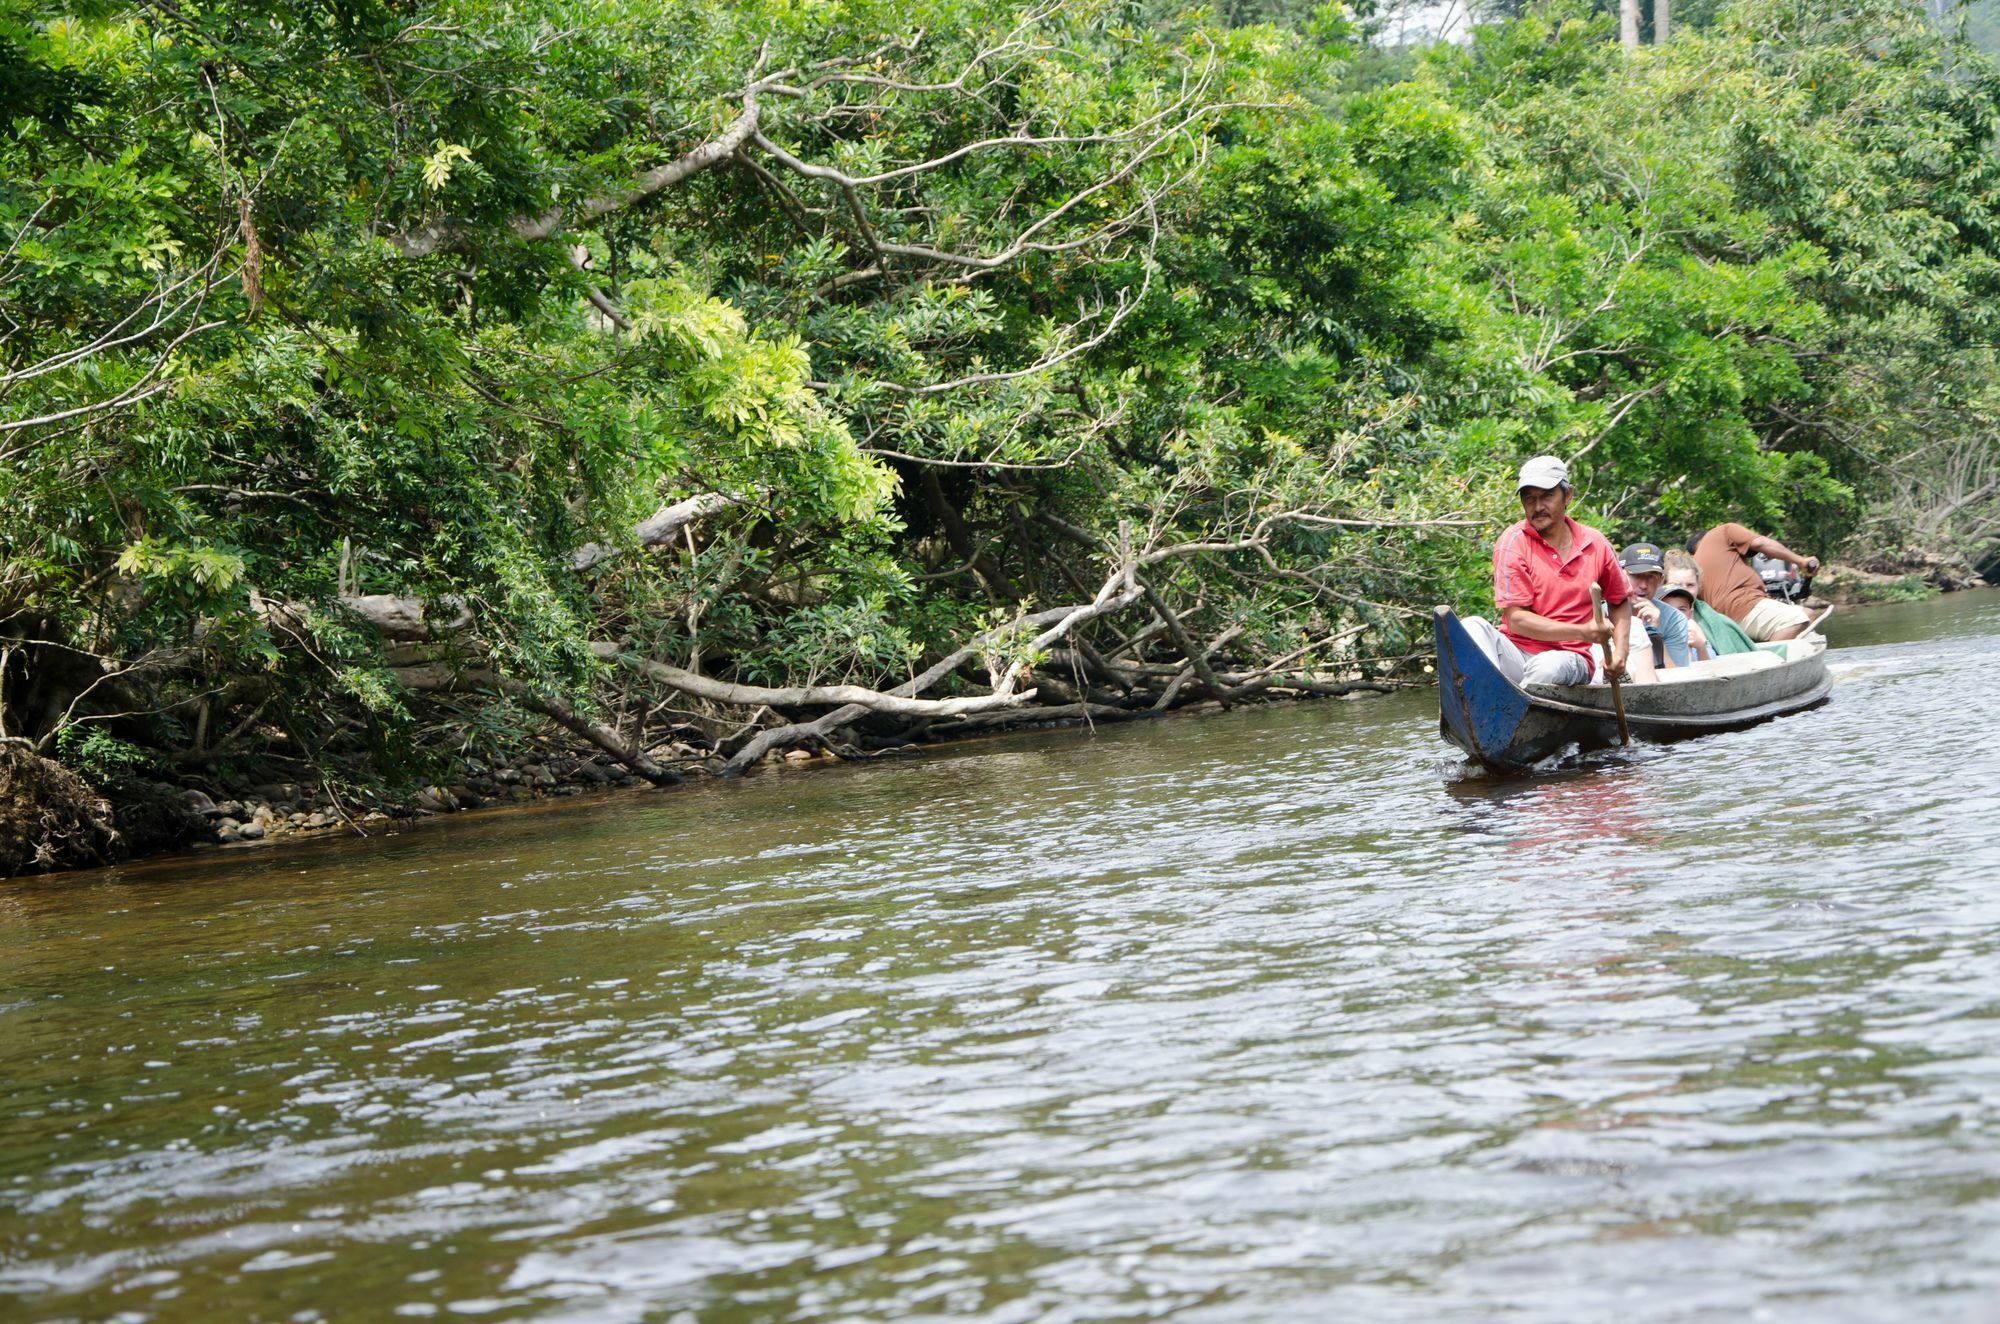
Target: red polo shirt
{"points": [[1528, 572]]}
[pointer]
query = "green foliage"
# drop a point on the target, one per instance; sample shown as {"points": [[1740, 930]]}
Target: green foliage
{"points": [[1905, 588], [98, 756]]}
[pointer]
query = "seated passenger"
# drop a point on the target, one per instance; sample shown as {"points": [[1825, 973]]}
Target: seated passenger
{"points": [[1683, 573], [1719, 634], [1645, 565], [1679, 599], [1730, 585]]}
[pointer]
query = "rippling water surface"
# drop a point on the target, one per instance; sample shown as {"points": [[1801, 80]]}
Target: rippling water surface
{"points": [[1269, 1015]]}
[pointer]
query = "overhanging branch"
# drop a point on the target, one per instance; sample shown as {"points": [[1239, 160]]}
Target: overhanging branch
{"points": [[428, 239]]}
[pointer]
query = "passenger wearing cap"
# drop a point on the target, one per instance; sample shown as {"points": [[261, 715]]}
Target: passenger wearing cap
{"points": [[1710, 633], [1543, 568], [1646, 566], [1679, 600]]}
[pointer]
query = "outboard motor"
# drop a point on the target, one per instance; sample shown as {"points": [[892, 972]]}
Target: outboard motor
{"points": [[1781, 581]]}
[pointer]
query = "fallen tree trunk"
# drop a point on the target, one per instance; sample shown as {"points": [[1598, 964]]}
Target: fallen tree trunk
{"points": [[1119, 592], [810, 696], [1009, 650], [858, 702], [796, 733], [1196, 655]]}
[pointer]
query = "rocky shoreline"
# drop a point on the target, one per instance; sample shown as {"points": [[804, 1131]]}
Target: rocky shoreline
{"points": [[53, 821], [278, 810]]}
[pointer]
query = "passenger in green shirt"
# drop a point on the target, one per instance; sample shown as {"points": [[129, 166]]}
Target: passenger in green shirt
{"points": [[1719, 634]]}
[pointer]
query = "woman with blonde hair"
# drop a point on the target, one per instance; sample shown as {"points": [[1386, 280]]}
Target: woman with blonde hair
{"points": [[1682, 572], [1718, 634]]}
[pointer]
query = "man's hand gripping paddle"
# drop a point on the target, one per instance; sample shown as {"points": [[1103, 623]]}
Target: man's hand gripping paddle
{"points": [[1617, 695]]}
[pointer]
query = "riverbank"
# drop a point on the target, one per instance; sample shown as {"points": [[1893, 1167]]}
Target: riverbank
{"points": [[62, 822], [1903, 577], [80, 826]]}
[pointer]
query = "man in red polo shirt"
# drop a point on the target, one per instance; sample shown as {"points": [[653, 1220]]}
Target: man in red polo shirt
{"points": [[1543, 568]]}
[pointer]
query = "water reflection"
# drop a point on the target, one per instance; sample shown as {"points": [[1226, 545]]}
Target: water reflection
{"points": [[1262, 1016]]}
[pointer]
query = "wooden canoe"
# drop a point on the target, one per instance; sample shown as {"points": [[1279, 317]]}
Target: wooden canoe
{"points": [[1508, 727]]}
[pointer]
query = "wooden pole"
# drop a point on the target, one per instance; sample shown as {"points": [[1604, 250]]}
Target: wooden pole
{"points": [[1617, 695]]}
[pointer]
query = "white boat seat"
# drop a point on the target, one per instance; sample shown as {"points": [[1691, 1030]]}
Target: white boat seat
{"points": [[1729, 664]]}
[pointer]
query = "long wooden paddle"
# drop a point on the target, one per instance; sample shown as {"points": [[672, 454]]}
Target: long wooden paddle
{"points": [[1617, 695]]}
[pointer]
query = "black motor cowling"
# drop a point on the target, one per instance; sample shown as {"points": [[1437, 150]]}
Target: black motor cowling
{"points": [[1781, 580]]}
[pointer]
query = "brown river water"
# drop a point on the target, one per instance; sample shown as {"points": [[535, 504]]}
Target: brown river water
{"points": [[1270, 1015]]}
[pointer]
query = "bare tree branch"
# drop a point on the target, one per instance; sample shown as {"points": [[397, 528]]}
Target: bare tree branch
{"points": [[440, 678], [807, 696], [428, 239]]}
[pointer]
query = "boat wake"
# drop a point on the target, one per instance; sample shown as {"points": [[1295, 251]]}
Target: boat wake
{"points": [[1569, 759]]}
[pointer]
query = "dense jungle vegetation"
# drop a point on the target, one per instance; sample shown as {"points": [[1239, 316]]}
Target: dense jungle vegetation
{"points": [[387, 380]]}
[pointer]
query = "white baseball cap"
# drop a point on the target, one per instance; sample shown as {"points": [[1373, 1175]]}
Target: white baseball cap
{"points": [[1544, 471]]}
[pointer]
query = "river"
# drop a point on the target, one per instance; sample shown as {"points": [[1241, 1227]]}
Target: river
{"points": [[1270, 1015]]}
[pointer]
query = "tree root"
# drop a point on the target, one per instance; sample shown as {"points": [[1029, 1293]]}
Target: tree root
{"points": [[49, 817]]}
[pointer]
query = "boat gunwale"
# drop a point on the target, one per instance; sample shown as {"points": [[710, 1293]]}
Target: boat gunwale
{"points": [[1541, 699], [1717, 720]]}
